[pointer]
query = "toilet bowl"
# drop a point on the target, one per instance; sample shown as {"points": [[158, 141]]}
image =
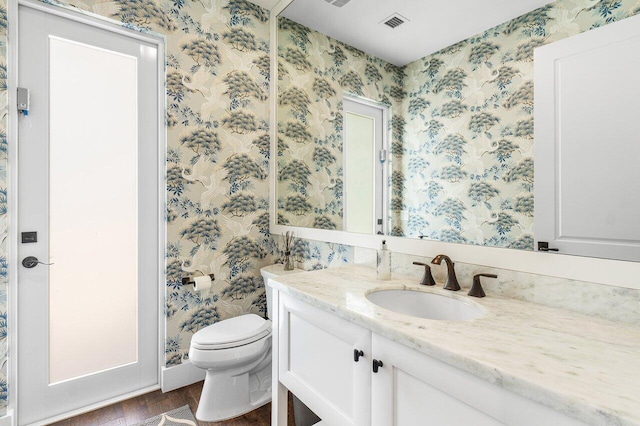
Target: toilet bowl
{"points": [[236, 354]]}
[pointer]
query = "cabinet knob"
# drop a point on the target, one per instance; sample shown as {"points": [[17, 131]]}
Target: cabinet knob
{"points": [[376, 364], [357, 354]]}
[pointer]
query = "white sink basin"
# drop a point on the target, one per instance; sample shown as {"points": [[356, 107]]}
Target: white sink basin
{"points": [[425, 305]]}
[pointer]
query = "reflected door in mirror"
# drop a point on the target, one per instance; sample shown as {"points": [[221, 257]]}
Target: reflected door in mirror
{"points": [[364, 159]]}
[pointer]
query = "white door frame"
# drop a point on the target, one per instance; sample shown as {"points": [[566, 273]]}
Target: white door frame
{"points": [[13, 184], [385, 167]]}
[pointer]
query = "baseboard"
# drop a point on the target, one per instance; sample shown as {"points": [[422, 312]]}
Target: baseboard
{"points": [[95, 406], [180, 375], [7, 419]]}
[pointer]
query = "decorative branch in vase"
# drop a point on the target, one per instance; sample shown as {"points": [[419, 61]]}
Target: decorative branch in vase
{"points": [[288, 259]]}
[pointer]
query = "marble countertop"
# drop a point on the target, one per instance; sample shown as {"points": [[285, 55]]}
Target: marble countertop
{"points": [[585, 367]]}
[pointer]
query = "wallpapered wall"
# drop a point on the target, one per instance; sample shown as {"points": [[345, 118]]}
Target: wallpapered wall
{"points": [[462, 141], [469, 128], [314, 72], [4, 219], [217, 161]]}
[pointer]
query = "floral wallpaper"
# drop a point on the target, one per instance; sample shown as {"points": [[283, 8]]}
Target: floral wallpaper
{"points": [[468, 129], [314, 72]]}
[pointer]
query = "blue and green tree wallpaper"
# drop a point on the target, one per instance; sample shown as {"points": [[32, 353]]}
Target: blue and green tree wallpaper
{"points": [[314, 73], [470, 104], [468, 129], [4, 217], [461, 126]]}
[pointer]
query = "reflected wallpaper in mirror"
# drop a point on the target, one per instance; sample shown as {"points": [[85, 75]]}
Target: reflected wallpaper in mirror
{"points": [[461, 126], [314, 73]]}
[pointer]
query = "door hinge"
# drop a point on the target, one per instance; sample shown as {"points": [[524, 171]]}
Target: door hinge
{"points": [[383, 155]]}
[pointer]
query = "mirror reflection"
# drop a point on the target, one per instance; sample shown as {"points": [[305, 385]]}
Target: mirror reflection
{"points": [[460, 128]]}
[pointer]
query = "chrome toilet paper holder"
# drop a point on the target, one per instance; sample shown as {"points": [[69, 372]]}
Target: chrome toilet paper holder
{"points": [[190, 279]]}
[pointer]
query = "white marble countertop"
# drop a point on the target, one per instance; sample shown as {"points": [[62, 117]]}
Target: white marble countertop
{"points": [[585, 367]]}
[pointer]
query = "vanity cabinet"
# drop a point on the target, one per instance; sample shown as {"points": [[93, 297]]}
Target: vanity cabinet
{"points": [[315, 360], [412, 388]]}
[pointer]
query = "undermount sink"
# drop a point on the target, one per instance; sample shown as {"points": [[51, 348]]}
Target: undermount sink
{"points": [[425, 305]]}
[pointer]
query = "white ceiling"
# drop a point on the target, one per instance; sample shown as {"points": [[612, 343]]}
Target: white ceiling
{"points": [[431, 26]]}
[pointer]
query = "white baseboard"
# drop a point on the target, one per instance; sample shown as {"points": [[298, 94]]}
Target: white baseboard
{"points": [[95, 406], [180, 375], [7, 419]]}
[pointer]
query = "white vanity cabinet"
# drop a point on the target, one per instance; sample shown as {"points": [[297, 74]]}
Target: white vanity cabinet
{"points": [[412, 388], [315, 361]]}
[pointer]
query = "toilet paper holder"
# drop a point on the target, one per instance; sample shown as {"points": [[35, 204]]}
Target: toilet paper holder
{"points": [[189, 280]]}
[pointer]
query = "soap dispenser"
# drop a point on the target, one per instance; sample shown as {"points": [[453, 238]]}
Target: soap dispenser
{"points": [[384, 262]]}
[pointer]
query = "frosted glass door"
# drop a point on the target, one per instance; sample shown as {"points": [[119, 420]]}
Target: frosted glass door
{"points": [[93, 192], [89, 186]]}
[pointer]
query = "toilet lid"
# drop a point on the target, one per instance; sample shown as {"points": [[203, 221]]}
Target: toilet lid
{"points": [[232, 332]]}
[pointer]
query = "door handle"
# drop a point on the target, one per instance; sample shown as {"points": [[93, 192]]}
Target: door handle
{"points": [[376, 365], [32, 262]]}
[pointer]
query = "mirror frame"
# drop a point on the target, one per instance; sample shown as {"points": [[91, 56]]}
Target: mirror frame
{"points": [[602, 271]]}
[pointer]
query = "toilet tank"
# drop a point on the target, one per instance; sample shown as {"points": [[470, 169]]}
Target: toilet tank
{"points": [[273, 271]]}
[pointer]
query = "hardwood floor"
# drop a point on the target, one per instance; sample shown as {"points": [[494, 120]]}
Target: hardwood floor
{"points": [[142, 407]]}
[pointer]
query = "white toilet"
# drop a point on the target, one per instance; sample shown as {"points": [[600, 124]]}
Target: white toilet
{"points": [[236, 353]]}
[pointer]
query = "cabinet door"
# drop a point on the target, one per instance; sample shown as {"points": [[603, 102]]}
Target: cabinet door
{"points": [[316, 363], [587, 142], [414, 389]]}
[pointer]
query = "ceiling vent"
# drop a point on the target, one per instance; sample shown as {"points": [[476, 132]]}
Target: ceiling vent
{"points": [[338, 3], [394, 21]]}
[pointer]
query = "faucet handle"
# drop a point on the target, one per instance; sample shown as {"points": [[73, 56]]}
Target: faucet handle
{"points": [[476, 288], [427, 278]]}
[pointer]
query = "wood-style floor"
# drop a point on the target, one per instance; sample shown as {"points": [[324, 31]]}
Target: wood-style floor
{"points": [[142, 407]]}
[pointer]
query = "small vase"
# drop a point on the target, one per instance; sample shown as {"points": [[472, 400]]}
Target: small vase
{"points": [[288, 261]]}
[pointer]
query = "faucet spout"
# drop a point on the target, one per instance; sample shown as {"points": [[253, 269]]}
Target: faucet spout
{"points": [[452, 280]]}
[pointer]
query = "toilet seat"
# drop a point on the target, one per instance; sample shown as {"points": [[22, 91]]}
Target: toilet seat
{"points": [[231, 333]]}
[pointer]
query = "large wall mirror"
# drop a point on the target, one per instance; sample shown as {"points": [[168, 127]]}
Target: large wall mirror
{"points": [[457, 83]]}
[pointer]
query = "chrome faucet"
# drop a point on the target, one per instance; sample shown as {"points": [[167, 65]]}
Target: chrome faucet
{"points": [[452, 281]]}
